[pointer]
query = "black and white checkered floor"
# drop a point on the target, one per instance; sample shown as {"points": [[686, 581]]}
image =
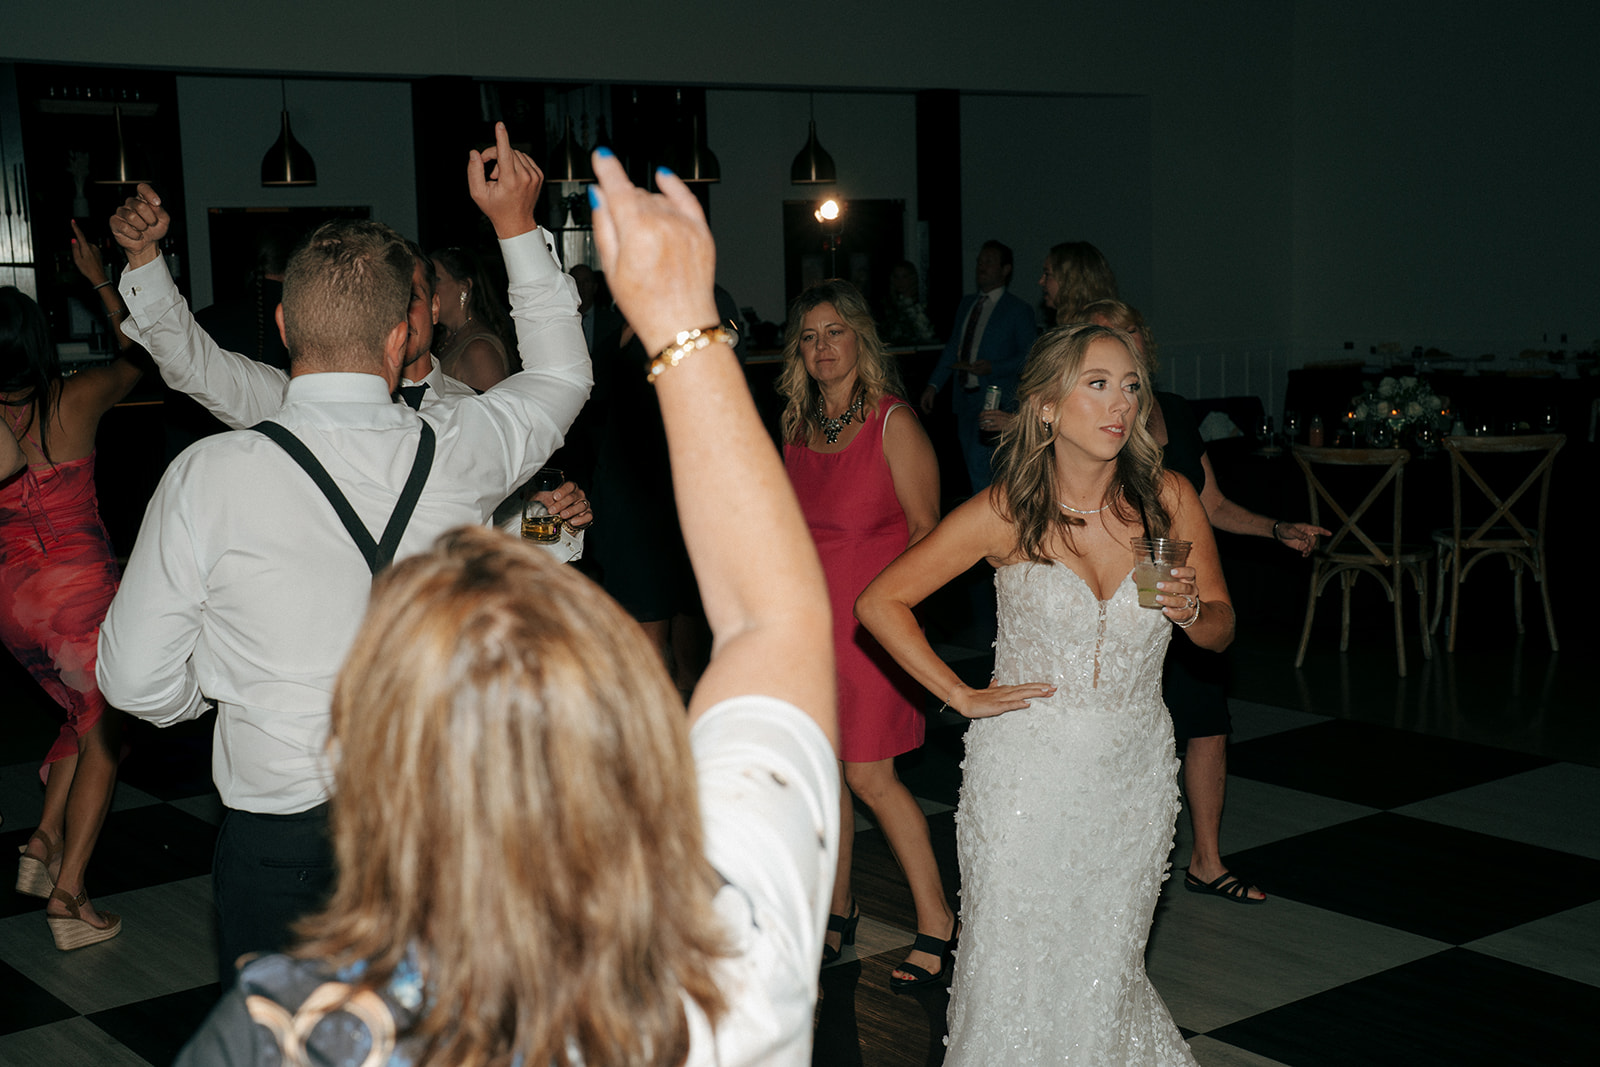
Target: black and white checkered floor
{"points": [[1433, 900]]}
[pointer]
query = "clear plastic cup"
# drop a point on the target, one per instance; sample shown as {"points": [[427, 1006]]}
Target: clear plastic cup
{"points": [[1154, 558]]}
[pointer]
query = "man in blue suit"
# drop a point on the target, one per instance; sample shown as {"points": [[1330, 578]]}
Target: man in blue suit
{"points": [[989, 342]]}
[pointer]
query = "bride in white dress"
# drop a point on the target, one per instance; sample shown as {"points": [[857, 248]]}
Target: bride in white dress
{"points": [[1070, 790]]}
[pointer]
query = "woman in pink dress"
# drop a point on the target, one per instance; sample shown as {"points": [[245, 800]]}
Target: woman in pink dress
{"points": [[57, 577], [868, 484]]}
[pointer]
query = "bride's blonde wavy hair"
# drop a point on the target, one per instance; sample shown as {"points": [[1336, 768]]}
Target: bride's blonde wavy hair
{"points": [[515, 804], [1025, 461]]}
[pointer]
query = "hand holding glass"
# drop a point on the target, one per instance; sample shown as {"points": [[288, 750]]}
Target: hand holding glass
{"points": [[537, 522], [1154, 559]]}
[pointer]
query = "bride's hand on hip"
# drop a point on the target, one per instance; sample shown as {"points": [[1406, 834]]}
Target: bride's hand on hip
{"points": [[998, 699]]}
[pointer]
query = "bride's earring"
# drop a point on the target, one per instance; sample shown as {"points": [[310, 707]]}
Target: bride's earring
{"points": [[1046, 426]]}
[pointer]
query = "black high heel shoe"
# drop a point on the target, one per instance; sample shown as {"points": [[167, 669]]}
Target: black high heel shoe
{"points": [[846, 929], [945, 950]]}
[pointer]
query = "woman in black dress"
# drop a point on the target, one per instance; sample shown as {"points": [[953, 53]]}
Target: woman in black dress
{"points": [[1193, 678]]}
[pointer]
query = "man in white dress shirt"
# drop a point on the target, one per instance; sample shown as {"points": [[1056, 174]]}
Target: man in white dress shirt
{"points": [[245, 588], [240, 392]]}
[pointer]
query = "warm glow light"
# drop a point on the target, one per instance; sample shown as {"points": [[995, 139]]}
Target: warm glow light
{"points": [[828, 211]]}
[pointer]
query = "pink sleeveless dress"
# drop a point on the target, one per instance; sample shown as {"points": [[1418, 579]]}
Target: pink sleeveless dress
{"points": [[855, 519], [57, 577]]}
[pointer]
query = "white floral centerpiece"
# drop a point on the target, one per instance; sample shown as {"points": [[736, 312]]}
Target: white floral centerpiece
{"points": [[1402, 403]]}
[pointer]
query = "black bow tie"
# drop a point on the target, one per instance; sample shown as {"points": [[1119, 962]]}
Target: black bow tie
{"points": [[412, 395]]}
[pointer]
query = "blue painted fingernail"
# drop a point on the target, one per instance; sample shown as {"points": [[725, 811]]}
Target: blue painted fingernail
{"points": [[604, 152], [665, 170], [594, 197]]}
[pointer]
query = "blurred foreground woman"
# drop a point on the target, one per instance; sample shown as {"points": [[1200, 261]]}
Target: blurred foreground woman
{"points": [[541, 861]]}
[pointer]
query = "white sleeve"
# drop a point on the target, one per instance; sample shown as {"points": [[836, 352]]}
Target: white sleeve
{"points": [[145, 664], [236, 389], [524, 418], [769, 802]]}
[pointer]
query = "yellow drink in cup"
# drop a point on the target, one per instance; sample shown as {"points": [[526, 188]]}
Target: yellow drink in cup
{"points": [[1154, 558]]}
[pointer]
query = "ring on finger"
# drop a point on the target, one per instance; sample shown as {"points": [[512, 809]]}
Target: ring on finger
{"points": [[1190, 601]]}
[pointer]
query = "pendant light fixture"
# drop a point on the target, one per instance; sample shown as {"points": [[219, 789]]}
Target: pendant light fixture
{"points": [[699, 163], [813, 166], [287, 162], [125, 175]]}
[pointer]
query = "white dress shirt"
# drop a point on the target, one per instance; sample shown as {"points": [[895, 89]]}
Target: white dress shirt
{"points": [[245, 590], [241, 392], [990, 298], [236, 389]]}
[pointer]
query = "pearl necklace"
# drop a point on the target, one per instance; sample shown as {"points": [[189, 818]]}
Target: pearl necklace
{"points": [[832, 428], [1080, 511]]}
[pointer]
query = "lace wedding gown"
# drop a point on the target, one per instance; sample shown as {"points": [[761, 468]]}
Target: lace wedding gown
{"points": [[1066, 820]]}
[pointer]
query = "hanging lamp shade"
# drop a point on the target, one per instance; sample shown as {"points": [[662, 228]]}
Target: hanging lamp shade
{"points": [[125, 175], [813, 166], [700, 165], [287, 162], [568, 161]]}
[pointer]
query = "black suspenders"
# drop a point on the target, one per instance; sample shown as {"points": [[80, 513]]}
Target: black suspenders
{"points": [[379, 554]]}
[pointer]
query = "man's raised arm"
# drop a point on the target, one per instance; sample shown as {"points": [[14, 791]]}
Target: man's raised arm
{"points": [[233, 387], [531, 410]]}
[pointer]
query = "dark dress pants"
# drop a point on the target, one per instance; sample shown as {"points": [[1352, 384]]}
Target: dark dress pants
{"points": [[269, 871]]}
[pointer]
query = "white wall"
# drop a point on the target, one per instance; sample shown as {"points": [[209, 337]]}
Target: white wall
{"points": [[227, 124], [1318, 171], [1019, 184], [1021, 45], [1036, 171], [1445, 176], [756, 134], [1219, 156]]}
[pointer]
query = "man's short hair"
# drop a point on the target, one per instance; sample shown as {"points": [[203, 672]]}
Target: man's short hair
{"points": [[344, 290], [1004, 250]]}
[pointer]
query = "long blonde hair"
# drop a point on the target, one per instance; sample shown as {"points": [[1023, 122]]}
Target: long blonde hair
{"points": [[1082, 274], [515, 804], [876, 372], [1025, 461]]}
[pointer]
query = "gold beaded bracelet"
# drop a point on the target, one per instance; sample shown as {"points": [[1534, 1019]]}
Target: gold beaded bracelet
{"points": [[684, 342]]}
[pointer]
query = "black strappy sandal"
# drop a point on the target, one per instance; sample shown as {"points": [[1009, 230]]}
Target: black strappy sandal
{"points": [[1227, 886], [846, 929], [945, 950]]}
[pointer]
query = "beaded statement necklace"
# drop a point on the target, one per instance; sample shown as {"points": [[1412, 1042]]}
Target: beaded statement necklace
{"points": [[832, 428]]}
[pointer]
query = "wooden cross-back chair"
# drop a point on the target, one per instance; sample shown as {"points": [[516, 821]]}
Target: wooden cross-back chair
{"points": [[1504, 533], [1352, 551]]}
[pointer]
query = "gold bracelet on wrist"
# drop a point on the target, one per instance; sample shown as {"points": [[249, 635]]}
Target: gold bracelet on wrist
{"points": [[685, 342]]}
